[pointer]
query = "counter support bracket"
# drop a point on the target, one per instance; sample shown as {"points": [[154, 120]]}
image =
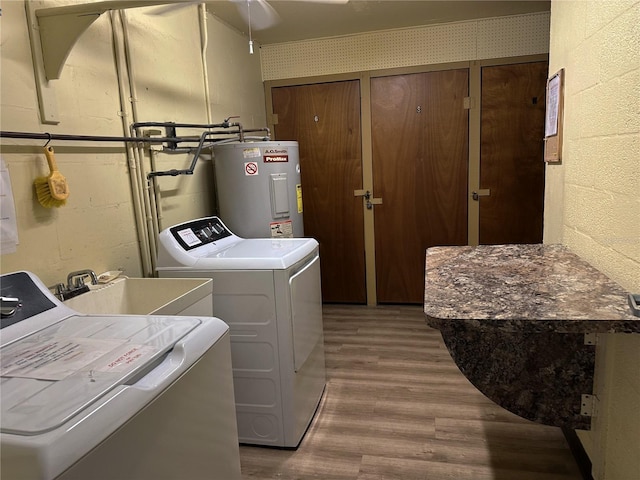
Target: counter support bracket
{"points": [[588, 405]]}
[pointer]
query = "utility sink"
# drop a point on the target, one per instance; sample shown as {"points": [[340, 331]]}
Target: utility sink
{"points": [[146, 296]]}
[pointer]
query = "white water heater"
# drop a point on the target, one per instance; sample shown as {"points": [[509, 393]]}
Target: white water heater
{"points": [[258, 188]]}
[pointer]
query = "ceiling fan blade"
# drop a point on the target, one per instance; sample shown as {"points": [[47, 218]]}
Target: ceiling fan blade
{"points": [[171, 7], [258, 14], [337, 2]]}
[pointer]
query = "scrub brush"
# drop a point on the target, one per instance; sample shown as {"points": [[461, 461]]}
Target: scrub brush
{"points": [[52, 191]]}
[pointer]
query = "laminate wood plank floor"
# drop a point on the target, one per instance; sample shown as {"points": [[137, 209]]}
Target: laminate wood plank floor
{"points": [[397, 407]]}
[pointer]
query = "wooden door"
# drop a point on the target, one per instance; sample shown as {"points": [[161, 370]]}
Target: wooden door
{"points": [[511, 153], [325, 120], [420, 132]]}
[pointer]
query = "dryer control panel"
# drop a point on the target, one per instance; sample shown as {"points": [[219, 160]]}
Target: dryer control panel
{"points": [[199, 232]]}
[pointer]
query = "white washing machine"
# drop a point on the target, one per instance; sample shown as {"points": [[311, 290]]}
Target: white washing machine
{"points": [[268, 291], [112, 396]]}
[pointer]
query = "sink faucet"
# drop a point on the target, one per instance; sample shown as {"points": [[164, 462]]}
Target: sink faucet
{"points": [[78, 276]]}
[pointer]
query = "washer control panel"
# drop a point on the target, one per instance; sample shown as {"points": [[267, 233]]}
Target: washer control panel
{"points": [[21, 298], [199, 232]]}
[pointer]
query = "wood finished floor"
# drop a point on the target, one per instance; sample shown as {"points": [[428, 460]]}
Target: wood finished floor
{"points": [[397, 407]]}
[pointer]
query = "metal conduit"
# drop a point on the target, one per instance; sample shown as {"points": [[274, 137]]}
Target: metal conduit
{"points": [[173, 141], [91, 138], [99, 138]]}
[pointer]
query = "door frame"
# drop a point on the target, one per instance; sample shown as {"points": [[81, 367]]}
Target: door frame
{"points": [[475, 67], [367, 156], [475, 92]]}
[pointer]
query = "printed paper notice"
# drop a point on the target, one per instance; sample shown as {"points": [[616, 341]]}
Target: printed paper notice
{"points": [[125, 358], [8, 225], [281, 229], [251, 152], [55, 358], [189, 237], [553, 103]]}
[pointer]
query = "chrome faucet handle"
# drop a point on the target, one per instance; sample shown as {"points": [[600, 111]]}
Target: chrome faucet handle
{"points": [[80, 281]]}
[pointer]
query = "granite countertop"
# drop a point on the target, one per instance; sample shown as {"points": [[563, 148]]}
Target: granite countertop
{"points": [[536, 287]]}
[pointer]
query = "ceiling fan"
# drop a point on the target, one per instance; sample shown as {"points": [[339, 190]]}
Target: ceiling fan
{"points": [[256, 14], [54, 42]]}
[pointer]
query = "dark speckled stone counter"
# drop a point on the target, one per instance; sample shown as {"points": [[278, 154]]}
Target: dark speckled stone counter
{"points": [[514, 318]]}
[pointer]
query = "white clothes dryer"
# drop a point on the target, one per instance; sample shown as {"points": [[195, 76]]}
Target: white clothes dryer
{"points": [[268, 292], [112, 396]]}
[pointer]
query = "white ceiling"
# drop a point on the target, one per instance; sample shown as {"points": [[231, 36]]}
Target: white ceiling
{"points": [[309, 19]]}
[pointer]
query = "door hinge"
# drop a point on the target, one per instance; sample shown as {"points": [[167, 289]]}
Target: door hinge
{"points": [[274, 119], [373, 201], [484, 192], [590, 338], [588, 405]]}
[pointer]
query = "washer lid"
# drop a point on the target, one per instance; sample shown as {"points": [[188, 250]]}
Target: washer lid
{"points": [[257, 254], [55, 373]]}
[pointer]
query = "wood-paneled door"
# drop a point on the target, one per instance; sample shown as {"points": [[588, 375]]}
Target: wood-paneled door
{"points": [[511, 153], [420, 131], [325, 120]]}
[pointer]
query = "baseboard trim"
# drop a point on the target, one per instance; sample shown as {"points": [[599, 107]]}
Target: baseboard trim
{"points": [[579, 453]]}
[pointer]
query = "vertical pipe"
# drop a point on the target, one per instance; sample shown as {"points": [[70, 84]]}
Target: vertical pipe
{"points": [[156, 195], [137, 207], [149, 212], [204, 42], [152, 191], [139, 154]]}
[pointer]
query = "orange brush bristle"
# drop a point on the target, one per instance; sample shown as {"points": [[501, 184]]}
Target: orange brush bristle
{"points": [[52, 191]]}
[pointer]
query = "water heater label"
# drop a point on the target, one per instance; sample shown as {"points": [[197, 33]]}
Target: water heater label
{"points": [[251, 169], [281, 229], [251, 152], [299, 197], [275, 158]]}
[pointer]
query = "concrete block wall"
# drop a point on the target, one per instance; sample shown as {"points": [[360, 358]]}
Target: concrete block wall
{"points": [[96, 229], [593, 197]]}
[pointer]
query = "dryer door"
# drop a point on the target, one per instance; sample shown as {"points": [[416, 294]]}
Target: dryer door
{"points": [[306, 310]]}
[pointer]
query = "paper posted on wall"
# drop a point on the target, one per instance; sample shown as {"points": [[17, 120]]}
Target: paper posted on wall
{"points": [[8, 224]]}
